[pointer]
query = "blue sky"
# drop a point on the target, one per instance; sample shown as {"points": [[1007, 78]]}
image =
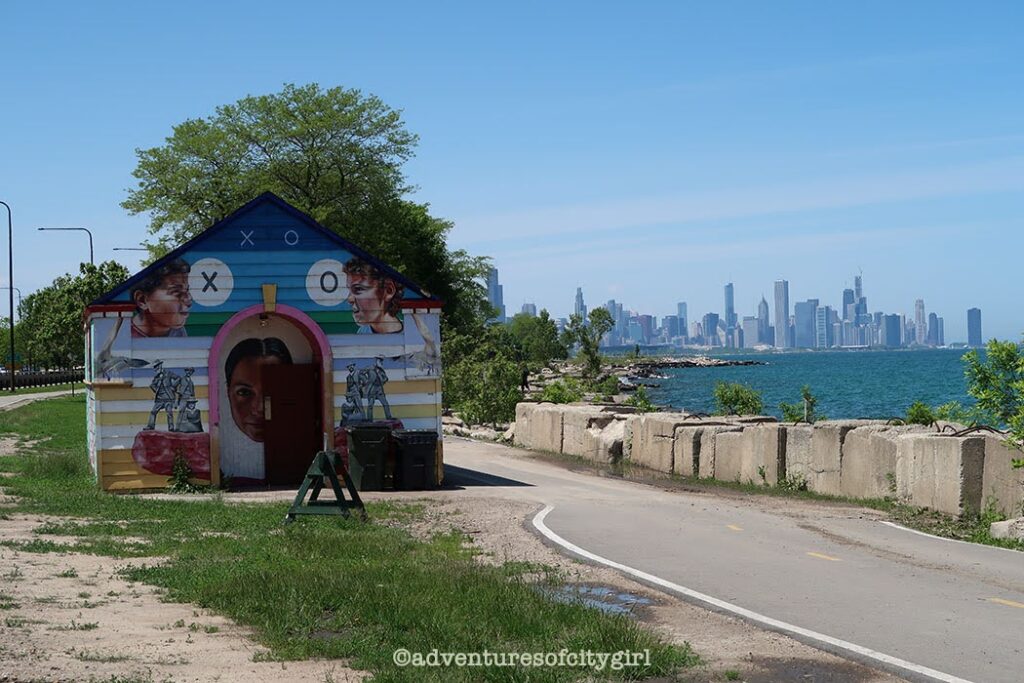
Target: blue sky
{"points": [[647, 152]]}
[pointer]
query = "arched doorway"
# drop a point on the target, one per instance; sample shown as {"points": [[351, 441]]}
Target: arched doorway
{"points": [[271, 395]]}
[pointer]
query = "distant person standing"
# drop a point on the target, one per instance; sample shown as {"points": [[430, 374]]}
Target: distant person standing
{"points": [[524, 379]]}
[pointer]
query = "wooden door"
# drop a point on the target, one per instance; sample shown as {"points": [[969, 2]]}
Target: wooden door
{"points": [[293, 431]]}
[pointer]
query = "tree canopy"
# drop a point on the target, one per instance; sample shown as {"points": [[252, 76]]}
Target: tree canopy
{"points": [[335, 154], [49, 328]]}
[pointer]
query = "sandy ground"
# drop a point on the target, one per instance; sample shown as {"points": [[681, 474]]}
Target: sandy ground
{"points": [[71, 617]]}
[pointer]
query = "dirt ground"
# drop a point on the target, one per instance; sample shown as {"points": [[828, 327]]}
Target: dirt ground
{"points": [[72, 617]]}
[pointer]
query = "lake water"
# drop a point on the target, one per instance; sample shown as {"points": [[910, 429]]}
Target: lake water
{"points": [[848, 384]]}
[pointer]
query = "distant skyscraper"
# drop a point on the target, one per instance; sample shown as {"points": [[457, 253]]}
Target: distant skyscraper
{"points": [[710, 324], [763, 323], [495, 294], [940, 335], [858, 288], [974, 337], [581, 308], [921, 323], [804, 335], [751, 331], [932, 338], [846, 311], [730, 314], [891, 332], [684, 321], [781, 314], [824, 330], [670, 326], [530, 309]]}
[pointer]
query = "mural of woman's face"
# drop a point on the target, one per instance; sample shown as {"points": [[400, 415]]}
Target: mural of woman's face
{"points": [[370, 300], [166, 307], [245, 394]]}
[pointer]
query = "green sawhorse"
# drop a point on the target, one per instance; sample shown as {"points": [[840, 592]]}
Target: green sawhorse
{"points": [[325, 466]]}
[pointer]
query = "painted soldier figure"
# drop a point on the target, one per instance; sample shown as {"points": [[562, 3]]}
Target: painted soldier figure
{"points": [[375, 388], [190, 420], [164, 387], [185, 392], [352, 410]]}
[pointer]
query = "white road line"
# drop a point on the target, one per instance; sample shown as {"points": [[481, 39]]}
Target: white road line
{"points": [[538, 523], [894, 525]]}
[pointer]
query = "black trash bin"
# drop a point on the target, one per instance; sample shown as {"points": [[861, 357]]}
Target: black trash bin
{"points": [[368, 447], [414, 459]]}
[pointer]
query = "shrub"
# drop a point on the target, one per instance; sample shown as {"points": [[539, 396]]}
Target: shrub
{"points": [[795, 412], [565, 390], [920, 413], [641, 401], [732, 398]]}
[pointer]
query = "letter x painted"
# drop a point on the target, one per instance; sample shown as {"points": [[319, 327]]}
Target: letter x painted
{"points": [[247, 237], [209, 281]]}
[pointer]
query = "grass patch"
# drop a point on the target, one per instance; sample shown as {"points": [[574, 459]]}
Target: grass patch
{"points": [[90, 656], [323, 587]]}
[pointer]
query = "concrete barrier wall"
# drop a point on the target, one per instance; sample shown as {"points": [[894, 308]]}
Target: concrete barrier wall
{"points": [[853, 458]]}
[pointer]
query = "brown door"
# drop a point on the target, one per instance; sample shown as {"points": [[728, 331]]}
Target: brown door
{"points": [[294, 432]]}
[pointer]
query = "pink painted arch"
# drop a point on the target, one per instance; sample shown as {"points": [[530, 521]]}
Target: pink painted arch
{"points": [[318, 340]]}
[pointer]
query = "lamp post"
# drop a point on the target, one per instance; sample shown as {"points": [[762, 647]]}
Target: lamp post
{"points": [[10, 279], [85, 230]]}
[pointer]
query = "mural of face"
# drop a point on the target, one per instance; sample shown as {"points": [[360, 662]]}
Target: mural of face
{"points": [[164, 309], [245, 393], [371, 300]]}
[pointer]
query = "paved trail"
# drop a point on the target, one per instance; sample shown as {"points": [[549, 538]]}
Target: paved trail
{"points": [[10, 402], [927, 608]]}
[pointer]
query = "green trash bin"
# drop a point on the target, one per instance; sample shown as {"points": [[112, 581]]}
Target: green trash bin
{"points": [[414, 459], [368, 447]]}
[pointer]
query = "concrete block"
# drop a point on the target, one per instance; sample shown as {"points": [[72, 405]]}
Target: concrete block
{"points": [[869, 460], [628, 436], [539, 427], [764, 450], [708, 448], [653, 440], [576, 422], [604, 443], [687, 451], [827, 439], [1011, 528], [728, 455], [798, 451], [1001, 483], [940, 472]]}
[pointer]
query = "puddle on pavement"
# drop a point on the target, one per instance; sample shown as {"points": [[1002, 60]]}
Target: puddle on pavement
{"points": [[604, 598]]}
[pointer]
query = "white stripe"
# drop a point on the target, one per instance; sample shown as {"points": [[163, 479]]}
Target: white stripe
{"points": [[143, 382], [394, 375], [108, 443], [371, 351], [173, 357], [142, 406], [951, 540], [397, 399], [538, 523]]}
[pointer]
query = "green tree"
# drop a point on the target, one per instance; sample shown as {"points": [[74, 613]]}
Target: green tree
{"points": [[51, 318], [337, 155], [481, 377], [805, 410], [538, 338], [920, 413], [587, 335], [732, 398]]}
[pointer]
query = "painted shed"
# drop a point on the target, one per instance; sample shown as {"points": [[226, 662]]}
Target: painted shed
{"points": [[250, 348]]}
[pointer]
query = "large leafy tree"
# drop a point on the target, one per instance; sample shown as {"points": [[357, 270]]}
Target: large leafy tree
{"points": [[538, 337], [50, 325], [334, 153], [587, 335]]}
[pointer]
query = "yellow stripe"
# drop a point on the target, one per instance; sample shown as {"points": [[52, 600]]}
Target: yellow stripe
{"points": [[399, 412], [825, 557], [137, 393], [409, 386], [148, 481], [115, 456], [1008, 603], [734, 527], [140, 419]]}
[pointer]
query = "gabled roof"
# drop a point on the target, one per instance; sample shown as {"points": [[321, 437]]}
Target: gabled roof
{"points": [[264, 199]]}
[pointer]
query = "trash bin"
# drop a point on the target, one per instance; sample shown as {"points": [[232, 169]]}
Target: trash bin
{"points": [[368, 447], [414, 459]]}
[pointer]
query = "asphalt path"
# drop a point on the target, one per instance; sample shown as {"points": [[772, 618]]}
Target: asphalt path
{"points": [[833, 576], [12, 401]]}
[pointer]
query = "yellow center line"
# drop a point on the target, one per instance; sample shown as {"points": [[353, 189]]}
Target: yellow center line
{"points": [[1008, 603], [825, 557], [734, 527]]}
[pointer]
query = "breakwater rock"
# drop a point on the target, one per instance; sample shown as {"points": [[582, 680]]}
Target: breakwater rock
{"points": [[650, 367]]}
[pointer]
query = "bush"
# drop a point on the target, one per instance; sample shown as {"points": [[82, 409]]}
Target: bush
{"points": [[732, 398], [640, 401], [803, 411], [919, 413], [565, 390]]}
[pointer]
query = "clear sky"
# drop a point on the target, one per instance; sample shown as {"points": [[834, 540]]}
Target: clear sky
{"points": [[647, 152]]}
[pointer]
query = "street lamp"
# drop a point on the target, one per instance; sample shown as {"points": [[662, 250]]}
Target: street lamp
{"points": [[10, 279], [86, 230]]}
